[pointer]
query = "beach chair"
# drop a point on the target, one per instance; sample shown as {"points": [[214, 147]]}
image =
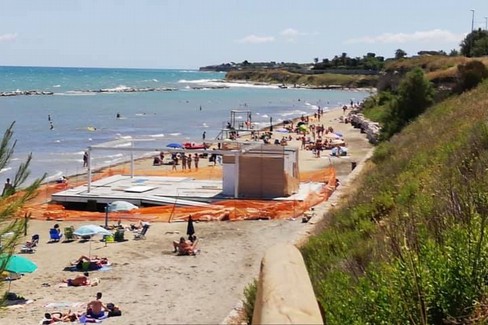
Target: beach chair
{"points": [[69, 233], [142, 233], [30, 246], [54, 235]]}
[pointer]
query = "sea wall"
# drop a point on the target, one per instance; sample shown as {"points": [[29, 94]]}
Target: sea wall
{"points": [[285, 294]]}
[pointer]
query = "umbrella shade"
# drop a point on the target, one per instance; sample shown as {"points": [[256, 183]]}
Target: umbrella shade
{"points": [[121, 206], [190, 230], [17, 264], [174, 145], [91, 230]]}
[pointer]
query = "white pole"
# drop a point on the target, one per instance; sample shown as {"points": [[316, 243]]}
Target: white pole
{"points": [[89, 170], [132, 160]]}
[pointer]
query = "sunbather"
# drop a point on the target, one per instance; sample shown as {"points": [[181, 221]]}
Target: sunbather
{"points": [[79, 280], [86, 263], [184, 247], [95, 308]]}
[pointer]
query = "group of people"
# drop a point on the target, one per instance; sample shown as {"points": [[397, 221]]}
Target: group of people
{"points": [[186, 161], [95, 310], [186, 246]]}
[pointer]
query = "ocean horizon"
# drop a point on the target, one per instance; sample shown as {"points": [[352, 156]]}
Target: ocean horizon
{"points": [[165, 105]]}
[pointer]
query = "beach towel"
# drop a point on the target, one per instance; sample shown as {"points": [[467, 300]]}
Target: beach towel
{"points": [[66, 304], [73, 268]]}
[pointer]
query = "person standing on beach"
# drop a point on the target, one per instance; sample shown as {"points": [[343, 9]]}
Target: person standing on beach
{"points": [[203, 135], [183, 161], [175, 162], [189, 161], [8, 188], [196, 159], [85, 159]]}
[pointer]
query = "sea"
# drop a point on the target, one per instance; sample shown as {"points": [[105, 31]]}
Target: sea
{"points": [[92, 106]]}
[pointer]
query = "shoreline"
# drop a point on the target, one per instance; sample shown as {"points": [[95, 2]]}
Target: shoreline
{"points": [[229, 258]]}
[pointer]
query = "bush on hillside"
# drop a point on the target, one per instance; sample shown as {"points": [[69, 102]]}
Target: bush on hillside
{"points": [[414, 95], [470, 75]]}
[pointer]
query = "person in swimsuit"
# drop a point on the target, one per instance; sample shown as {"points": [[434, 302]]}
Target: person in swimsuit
{"points": [[79, 280]]}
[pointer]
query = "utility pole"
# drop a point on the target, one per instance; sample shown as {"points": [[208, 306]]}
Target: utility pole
{"points": [[472, 20], [472, 34], [486, 23]]}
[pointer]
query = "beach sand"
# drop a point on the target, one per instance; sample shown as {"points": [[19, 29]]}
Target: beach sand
{"points": [[147, 280]]}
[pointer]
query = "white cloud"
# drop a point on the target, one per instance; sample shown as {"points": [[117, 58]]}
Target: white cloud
{"points": [[7, 37], [290, 34], [434, 35], [255, 39]]}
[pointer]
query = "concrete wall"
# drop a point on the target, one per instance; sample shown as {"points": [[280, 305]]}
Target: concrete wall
{"points": [[285, 294]]}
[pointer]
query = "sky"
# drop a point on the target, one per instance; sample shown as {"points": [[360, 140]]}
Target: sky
{"points": [[188, 34]]}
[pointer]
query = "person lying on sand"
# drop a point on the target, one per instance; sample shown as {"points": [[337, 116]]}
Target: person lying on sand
{"points": [[86, 263], [79, 280], [50, 318], [184, 247]]}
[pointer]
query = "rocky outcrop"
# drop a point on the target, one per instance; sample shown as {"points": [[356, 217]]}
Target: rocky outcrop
{"points": [[372, 129], [25, 93]]}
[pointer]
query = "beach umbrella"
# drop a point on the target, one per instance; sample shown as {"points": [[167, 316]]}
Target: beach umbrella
{"points": [[287, 122], [301, 123], [331, 135], [302, 127], [190, 230], [90, 231], [117, 206], [282, 130], [174, 146], [16, 264]]}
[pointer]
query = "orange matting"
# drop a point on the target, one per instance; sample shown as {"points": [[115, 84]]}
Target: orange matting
{"points": [[242, 209]]}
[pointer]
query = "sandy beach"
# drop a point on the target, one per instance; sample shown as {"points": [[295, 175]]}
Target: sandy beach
{"points": [[146, 279]]}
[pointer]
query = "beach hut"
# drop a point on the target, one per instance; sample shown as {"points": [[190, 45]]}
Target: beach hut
{"points": [[261, 171]]}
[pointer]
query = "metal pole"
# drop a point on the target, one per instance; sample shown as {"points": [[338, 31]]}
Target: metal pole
{"points": [[89, 170], [132, 160], [472, 20], [472, 35], [486, 23]]}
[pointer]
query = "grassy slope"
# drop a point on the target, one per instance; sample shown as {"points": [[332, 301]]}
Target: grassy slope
{"points": [[409, 245], [280, 76]]}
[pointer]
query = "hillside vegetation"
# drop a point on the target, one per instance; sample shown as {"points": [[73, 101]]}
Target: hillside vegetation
{"points": [[299, 79], [410, 245]]}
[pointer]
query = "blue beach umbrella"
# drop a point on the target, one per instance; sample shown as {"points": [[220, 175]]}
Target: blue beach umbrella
{"points": [[174, 146]]}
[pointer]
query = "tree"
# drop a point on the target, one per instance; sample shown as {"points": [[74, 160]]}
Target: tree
{"points": [[475, 44], [12, 200], [414, 94], [315, 60], [400, 54]]}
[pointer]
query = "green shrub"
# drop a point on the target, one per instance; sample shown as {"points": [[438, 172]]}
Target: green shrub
{"points": [[250, 292]]}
